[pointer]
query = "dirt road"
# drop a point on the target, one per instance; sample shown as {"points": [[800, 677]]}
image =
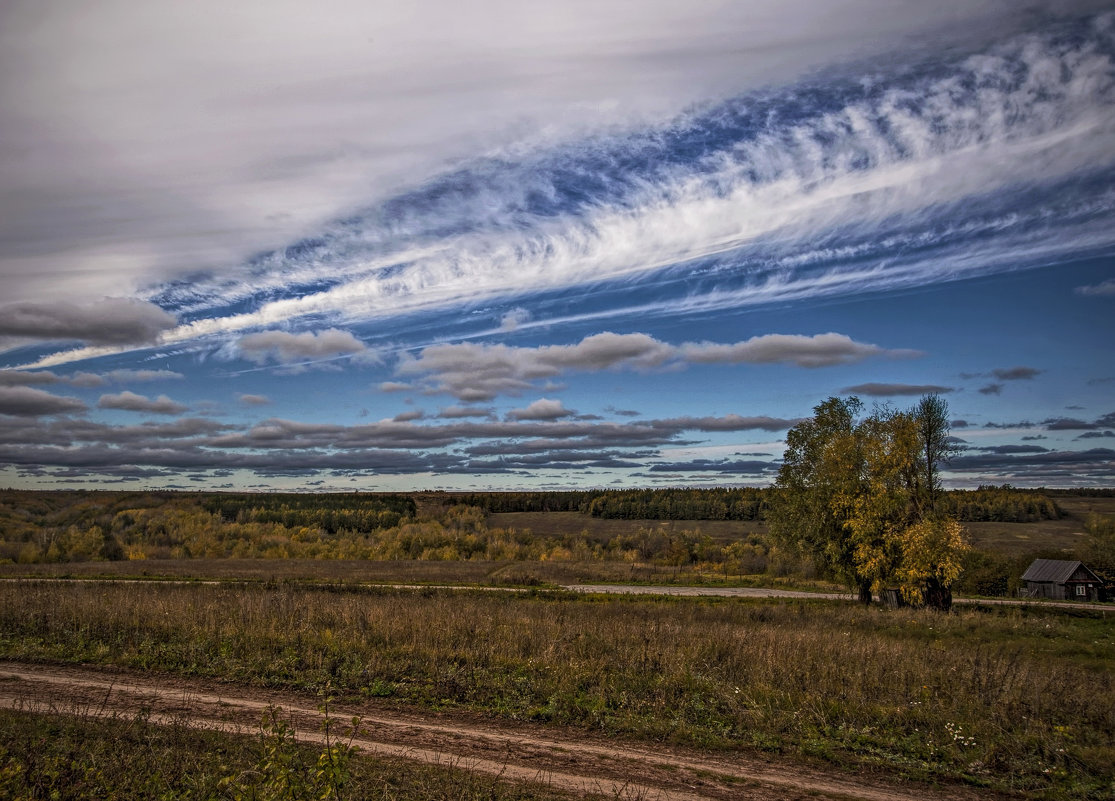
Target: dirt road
{"points": [[570, 761]]}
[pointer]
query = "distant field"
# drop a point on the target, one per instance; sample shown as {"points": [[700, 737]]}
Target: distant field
{"points": [[1007, 538], [1064, 534], [559, 524]]}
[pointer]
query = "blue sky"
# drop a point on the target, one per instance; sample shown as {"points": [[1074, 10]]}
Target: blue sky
{"points": [[596, 245]]}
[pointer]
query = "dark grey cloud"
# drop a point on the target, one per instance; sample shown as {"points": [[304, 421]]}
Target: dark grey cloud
{"points": [[29, 402], [114, 321], [132, 402], [991, 389], [892, 390], [1097, 435], [724, 467], [408, 416], [1067, 424], [958, 423], [286, 447], [26, 378], [1094, 460], [1016, 373], [480, 372], [1007, 449]]}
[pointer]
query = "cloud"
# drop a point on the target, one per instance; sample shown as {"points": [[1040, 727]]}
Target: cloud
{"points": [[406, 417], [1016, 373], [23, 378], [400, 447], [253, 400], [1097, 435], [821, 350], [724, 467], [890, 390], [480, 372], [460, 412], [1068, 424], [28, 402], [541, 409], [114, 321], [513, 319], [1102, 289], [765, 197], [991, 389], [131, 402], [282, 347]]}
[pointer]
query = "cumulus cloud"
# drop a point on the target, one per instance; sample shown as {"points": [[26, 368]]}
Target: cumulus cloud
{"points": [[541, 409], [282, 347], [131, 402], [891, 390], [25, 401], [114, 321], [480, 372]]}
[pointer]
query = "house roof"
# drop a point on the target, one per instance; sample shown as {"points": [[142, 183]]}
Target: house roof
{"points": [[1056, 570]]}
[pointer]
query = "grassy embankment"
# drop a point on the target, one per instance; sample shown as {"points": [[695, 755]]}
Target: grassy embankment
{"points": [[1011, 699]]}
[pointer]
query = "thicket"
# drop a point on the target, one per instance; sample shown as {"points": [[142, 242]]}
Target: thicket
{"points": [[1008, 698]]}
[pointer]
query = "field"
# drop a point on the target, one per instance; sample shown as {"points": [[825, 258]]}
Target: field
{"points": [[1017, 702], [1013, 700]]}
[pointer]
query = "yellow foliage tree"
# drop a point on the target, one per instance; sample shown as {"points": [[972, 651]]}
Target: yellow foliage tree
{"points": [[931, 554]]}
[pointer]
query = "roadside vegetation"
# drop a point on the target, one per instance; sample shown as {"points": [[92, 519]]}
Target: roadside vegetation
{"points": [[1006, 698], [81, 755]]}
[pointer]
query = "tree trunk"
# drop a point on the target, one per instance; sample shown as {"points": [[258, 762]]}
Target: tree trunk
{"points": [[938, 596], [865, 593]]}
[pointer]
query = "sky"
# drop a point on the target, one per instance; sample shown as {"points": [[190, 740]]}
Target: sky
{"points": [[506, 245]]}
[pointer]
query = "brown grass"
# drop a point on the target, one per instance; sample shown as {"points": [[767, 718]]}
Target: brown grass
{"points": [[1033, 693]]}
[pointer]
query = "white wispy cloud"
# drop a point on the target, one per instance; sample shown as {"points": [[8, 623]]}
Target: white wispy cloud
{"points": [[1033, 111]]}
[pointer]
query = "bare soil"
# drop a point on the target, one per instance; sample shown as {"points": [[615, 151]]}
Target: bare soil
{"points": [[571, 761]]}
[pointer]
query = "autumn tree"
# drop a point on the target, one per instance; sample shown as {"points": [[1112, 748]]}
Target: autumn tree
{"points": [[817, 488], [859, 497]]}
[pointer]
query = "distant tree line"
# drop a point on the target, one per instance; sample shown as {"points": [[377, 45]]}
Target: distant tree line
{"points": [[1003, 504]]}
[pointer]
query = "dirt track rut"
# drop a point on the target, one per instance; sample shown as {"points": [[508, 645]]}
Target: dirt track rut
{"points": [[568, 761]]}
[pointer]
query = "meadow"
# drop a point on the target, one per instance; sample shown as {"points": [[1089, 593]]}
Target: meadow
{"points": [[1010, 699]]}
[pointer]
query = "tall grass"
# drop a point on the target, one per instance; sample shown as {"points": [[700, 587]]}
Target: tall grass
{"points": [[1010, 699]]}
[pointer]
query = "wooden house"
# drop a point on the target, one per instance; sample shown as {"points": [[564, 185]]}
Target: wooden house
{"points": [[1062, 579]]}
